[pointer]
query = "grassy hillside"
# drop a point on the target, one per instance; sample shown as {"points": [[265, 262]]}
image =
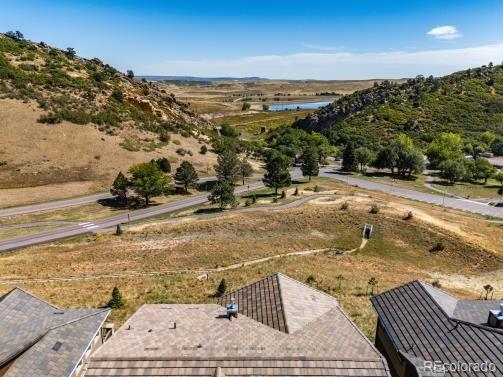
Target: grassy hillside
{"points": [[65, 119], [85, 91], [467, 102]]}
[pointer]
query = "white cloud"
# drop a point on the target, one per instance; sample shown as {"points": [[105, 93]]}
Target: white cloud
{"points": [[336, 65], [445, 32], [321, 47]]}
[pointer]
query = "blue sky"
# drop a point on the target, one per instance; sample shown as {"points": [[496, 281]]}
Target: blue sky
{"points": [[274, 39]]}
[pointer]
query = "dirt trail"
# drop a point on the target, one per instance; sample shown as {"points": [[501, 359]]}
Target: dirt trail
{"points": [[179, 271]]}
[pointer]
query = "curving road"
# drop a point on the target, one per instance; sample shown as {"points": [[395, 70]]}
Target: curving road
{"points": [[111, 222], [72, 202], [450, 202]]}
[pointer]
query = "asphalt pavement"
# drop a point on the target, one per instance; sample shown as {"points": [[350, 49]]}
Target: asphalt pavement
{"points": [[111, 222]]}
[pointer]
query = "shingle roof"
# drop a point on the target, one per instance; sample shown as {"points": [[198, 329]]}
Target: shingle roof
{"points": [[168, 340], [419, 326], [30, 328]]}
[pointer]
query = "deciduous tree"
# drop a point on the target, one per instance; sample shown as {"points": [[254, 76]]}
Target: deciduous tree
{"points": [[148, 180]]}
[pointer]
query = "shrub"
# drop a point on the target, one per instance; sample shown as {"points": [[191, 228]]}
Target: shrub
{"points": [[204, 149], [118, 230], [177, 142], [436, 283], [317, 188], [344, 206], [116, 302], [50, 118], [248, 202], [222, 288], [246, 106], [181, 151], [310, 280], [439, 246], [409, 216], [164, 136], [283, 194], [254, 198], [118, 95], [374, 209]]}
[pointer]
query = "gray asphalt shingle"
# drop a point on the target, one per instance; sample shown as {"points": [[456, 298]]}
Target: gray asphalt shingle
{"points": [[30, 329], [420, 327]]}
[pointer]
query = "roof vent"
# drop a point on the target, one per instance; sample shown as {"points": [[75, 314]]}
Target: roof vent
{"points": [[232, 309], [57, 346], [496, 318]]}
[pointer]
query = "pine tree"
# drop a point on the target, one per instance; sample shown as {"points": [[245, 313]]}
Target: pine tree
{"points": [[116, 302], [310, 167], [222, 194], [227, 167], [222, 288], [186, 175], [349, 162], [277, 175], [120, 187]]}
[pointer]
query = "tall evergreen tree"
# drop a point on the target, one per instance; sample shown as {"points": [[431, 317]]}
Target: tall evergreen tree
{"points": [[222, 194], [227, 167], [310, 166], [120, 187], [278, 175], [186, 175], [349, 162], [116, 302]]}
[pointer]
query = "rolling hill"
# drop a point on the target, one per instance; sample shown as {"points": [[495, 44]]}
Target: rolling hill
{"points": [[66, 119], [467, 102]]}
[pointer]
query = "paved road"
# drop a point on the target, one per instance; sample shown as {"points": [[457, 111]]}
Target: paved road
{"points": [[110, 222], [456, 203], [71, 202], [54, 205]]}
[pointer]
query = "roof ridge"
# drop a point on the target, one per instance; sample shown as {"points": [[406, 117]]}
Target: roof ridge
{"points": [[281, 299], [29, 294], [450, 318], [79, 318], [307, 286]]}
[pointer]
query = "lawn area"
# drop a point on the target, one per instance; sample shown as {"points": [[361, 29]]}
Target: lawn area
{"points": [[470, 190], [399, 251]]}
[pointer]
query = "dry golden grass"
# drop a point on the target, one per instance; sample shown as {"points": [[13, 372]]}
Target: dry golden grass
{"points": [[55, 160], [399, 251]]}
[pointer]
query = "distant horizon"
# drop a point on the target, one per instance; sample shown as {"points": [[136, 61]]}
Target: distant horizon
{"points": [[285, 40]]}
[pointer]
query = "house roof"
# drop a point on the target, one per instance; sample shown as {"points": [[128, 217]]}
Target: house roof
{"points": [[30, 328], [289, 329], [427, 324]]}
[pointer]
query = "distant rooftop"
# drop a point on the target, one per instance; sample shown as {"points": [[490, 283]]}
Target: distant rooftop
{"points": [[284, 328], [40, 339], [427, 324]]}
